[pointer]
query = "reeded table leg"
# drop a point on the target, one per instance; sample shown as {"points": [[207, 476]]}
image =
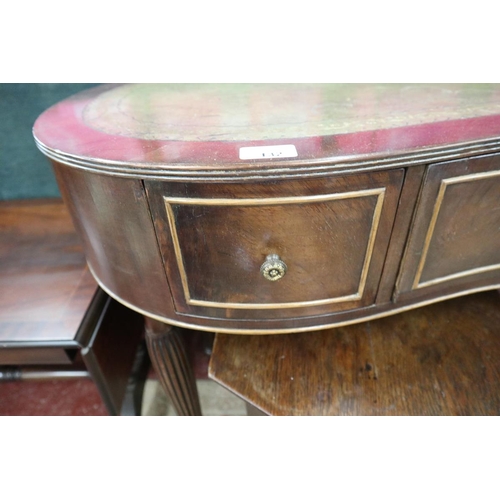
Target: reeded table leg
{"points": [[168, 356]]}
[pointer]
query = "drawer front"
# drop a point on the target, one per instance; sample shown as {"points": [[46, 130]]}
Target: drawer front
{"points": [[34, 356], [328, 237], [455, 237]]}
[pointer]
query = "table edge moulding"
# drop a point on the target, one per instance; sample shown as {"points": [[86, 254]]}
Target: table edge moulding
{"points": [[281, 208]]}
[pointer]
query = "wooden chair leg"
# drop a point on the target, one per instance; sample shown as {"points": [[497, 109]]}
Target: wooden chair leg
{"points": [[168, 356]]}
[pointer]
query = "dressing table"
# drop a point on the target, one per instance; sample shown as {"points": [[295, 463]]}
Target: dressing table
{"points": [[280, 208]]}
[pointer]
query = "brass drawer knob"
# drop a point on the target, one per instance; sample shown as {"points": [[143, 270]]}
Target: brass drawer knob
{"points": [[273, 268]]}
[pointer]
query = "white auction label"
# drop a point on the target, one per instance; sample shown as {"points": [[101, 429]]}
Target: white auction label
{"points": [[260, 152]]}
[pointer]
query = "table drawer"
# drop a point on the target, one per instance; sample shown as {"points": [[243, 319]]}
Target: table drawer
{"points": [[34, 356], [254, 250], [457, 214]]}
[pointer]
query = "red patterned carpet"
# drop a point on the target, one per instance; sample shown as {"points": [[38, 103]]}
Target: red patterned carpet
{"points": [[61, 397], [81, 397]]}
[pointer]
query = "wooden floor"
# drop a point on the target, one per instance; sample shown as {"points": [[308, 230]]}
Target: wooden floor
{"points": [[442, 359]]}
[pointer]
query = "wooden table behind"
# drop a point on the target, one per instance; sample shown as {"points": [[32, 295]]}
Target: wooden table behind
{"points": [[437, 360], [53, 314], [45, 284]]}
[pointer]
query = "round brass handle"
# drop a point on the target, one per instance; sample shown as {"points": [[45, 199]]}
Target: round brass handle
{"points": [[273, 268]]}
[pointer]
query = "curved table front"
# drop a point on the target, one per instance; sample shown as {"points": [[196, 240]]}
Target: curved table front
{"points": [[260, 209]]}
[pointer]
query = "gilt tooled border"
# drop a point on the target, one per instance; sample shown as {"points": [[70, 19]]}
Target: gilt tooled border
{"points": [[169, 201]]}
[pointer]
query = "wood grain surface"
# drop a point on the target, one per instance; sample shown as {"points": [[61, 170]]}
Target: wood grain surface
{"points": [[168, 354], [439, 360], [113, 220], [110, 355], [456, 230], [45, 285], [332, 234], [52, 311]]}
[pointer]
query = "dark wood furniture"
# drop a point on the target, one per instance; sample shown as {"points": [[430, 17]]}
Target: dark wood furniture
{"points": [[261, 209], [436, 360], [55, 322]]}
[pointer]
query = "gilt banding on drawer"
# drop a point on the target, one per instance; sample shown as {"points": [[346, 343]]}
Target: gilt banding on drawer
{"points": [[326, 240], [449, 224]]}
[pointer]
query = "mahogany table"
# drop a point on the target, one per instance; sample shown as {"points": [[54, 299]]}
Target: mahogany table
{"points": [[439, 360], [264, 209], [55, 321]]}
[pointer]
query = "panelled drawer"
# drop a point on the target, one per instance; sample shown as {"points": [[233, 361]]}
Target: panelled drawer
{"points": [[331, 234], [455, 235]]}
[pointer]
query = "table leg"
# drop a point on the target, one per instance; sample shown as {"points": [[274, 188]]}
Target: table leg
{"points": [[168, 356], [132, 402]]}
